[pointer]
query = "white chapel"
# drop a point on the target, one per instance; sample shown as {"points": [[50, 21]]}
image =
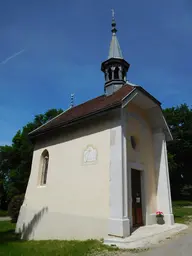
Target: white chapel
{"points": [[100, 168]]}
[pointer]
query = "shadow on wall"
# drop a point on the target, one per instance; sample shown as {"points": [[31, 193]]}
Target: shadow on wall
{"points": [[158, 158], [28, 229]]}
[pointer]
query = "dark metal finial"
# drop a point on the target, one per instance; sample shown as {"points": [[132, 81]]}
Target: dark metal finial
{"points": [[113, 24], [72, 100]]}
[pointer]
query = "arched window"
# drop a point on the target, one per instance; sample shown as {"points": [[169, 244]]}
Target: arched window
{"points": [[110, 73], [116, 73], [44, 167]]}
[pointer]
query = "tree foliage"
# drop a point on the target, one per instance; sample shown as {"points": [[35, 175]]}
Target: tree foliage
{"points": [[15, 160], [180, 149], [14, 207]]}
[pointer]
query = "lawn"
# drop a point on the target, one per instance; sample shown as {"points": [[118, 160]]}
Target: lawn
{"points": [[10, 244], [182, 212]]}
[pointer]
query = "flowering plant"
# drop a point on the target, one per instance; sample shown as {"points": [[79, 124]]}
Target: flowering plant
{"points": [[159, 214]]}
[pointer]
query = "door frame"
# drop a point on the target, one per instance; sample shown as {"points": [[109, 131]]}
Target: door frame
{"points": [[141, 168]]}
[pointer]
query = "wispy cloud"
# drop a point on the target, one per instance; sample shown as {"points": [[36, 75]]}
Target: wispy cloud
{"points": [[12, 57]]}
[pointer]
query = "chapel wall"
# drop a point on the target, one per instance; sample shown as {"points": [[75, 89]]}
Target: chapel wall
{"points": [[138, 125], [75, 199]]}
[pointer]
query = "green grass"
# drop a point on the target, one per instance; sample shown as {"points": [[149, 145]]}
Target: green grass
{"points": [[181, 203], [3, 213], [10, 244], [182, 214]]}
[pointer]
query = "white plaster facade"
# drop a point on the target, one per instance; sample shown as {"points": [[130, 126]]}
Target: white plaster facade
{"points": [[88, 195]]}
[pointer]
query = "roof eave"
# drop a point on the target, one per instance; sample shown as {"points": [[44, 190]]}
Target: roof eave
{"points": [[169, 136], [48, 122], [74, 121]]}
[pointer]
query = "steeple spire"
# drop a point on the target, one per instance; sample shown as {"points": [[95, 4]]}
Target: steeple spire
{"points": [[115, 49], [115, 67]]}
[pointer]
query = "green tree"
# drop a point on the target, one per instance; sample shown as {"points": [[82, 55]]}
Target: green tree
{"points": [[15, 160], [180, 149]]}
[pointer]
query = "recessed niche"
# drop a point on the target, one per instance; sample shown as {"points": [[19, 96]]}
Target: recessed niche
{"points": [[134, 142]]}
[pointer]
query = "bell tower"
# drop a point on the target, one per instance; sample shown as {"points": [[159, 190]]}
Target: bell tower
{"points": [[115, 67]]}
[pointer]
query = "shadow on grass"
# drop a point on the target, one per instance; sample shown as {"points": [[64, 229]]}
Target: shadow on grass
{"points": [[7, 229], [9, 236]]}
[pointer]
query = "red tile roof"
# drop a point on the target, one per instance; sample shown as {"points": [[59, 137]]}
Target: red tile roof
{"points": [[86, 109]]}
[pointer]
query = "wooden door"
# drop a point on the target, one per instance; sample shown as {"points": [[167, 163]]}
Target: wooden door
{"points": [[136, 198]]}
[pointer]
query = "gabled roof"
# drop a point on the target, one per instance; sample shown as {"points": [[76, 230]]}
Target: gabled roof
{"points": [[90, 108], [87, 109]]}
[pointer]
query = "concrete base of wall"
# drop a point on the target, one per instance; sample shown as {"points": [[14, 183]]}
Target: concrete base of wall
{"points": [[45, 225], [119, 227], [169, 219]]}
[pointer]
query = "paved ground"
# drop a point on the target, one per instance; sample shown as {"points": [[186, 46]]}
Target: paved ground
{"points": [[146, 236], [179, 245], [4, 218]]}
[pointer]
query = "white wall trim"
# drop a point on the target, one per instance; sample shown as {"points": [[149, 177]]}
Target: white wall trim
{"points": [[118, 215], [136, 165], [129, 97], [164, 203], [124, 165]]}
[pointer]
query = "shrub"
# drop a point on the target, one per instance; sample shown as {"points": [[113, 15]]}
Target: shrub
{"points": [[14, 207]]}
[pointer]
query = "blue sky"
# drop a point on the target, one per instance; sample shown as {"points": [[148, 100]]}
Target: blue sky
{"points": [[50, 49]]}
